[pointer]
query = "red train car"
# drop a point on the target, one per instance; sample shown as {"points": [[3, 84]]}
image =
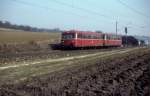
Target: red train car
{"points": [[112, 40], [89, 39]]}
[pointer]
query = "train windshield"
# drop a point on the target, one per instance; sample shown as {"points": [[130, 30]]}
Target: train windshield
{"points": [[68, 36]]}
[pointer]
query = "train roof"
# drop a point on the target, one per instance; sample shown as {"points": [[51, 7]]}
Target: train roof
{"points": [[82, 32], [88, 32], [113, 34]]}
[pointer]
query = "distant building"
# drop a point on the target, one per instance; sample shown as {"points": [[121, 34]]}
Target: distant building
{"points": [[134, 41], [130, 41], [143, 40], [147, 42]]}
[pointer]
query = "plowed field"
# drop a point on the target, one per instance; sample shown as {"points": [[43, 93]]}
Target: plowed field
{"points": [[126, 73]]}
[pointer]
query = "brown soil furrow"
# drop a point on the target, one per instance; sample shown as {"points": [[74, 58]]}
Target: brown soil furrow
{"points": [[124, 75]]}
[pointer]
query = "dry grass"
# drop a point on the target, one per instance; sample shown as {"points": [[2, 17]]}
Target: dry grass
{"points": [[19, 36]]}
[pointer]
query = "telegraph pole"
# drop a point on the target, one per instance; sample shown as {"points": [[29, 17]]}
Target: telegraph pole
{"points": [[126, 31], [116, 27]]}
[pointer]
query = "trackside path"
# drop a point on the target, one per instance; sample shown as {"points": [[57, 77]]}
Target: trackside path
{"points": [[20, 72], [66, 58]]}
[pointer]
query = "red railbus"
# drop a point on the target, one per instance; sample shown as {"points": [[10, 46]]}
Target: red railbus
{"points": [[89, 39], [112, 40]]}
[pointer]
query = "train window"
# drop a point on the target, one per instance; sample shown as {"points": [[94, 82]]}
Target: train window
{"points": [[108, 37], [68, 36], [101, 37], [98, 37], [91, 37], [111, 37], [88, 37], [114, 37], [119, 37], [85, 36], [95, 37], [79, 36]]}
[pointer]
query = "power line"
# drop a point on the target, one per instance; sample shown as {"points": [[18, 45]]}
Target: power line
{"points": [[52, 9], [32, 4], [83, 9], [86, 10], [63, 11], [110, 11], [133, 9], [45, 7], [104, 9]]}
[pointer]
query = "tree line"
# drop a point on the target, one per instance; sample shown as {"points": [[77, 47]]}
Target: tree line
{"points": [[7, 24]]}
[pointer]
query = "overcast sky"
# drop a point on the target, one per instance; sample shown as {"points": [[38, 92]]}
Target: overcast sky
{"points": [[80, 14]]}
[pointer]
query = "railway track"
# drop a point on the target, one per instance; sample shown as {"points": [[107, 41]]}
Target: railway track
{"points": [[102, 54], [30, 56], [21, 71]]}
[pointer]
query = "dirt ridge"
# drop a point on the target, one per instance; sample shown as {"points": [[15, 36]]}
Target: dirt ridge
{"points": [[124, 75]]}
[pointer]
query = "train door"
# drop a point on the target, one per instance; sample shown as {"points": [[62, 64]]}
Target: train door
{"points": [[105, 42], [82, 40], [79, 40]]}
